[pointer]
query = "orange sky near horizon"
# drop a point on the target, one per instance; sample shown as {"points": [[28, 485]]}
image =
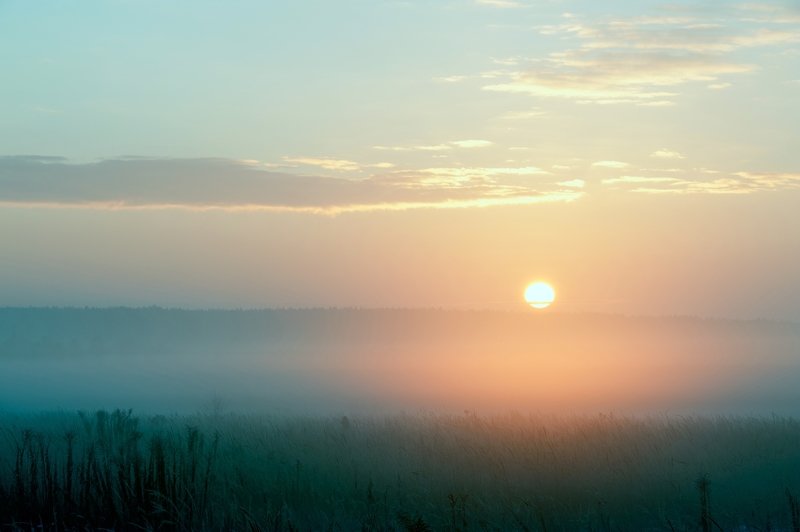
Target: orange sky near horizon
{"points": [[640, 156], [726, 256]]}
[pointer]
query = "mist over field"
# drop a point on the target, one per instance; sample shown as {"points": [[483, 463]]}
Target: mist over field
{"points": [[525, 265], [337, 362]]}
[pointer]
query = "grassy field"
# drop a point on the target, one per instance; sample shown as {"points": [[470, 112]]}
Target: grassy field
{"points": [[411, 472]]}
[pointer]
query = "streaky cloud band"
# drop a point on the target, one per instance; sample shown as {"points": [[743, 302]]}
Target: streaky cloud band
{"points": [[211, 184]]}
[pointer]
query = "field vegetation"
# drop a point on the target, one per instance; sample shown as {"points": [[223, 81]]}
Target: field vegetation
{"points": [[215, 471]]}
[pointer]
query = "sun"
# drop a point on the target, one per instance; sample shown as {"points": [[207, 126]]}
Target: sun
{"points": [[540, 295]]}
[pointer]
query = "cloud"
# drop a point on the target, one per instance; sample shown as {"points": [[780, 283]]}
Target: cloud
{"points": [[770, 13], [233, 185], [638, 60], [340, 165], [472, 143], [703, 181], [635, 179], [657, 103], [490, 172], [770, 181], [616, 77], [490, 180], [430, 147], [504, 4], [666, 154], [206, 184], [469, 143], [523, 115], [451, 79], [697, 33], [610, 164]]}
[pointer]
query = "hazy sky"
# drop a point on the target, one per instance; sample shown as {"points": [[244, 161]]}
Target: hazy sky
{"points": [[642, 156]]}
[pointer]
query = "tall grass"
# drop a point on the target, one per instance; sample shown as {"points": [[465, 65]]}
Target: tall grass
{"points": [[106, 473], [425, 472]]}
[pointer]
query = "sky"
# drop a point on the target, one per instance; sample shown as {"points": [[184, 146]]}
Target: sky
{"points": [[640, 156]]}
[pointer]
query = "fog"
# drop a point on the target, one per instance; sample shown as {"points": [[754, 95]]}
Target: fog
{"points": [[384, 361]]}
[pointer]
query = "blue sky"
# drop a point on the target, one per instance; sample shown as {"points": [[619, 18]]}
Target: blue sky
{"points": [[271, 80], [225, 111]]}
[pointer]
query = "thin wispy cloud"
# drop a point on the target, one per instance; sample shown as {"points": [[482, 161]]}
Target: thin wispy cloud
{"points": [[341, 165], [573, 183], [328, 163], [705, 182], [421, 147], [770, 13], [503, 4], [235, 185], [667, 154], [673, 34], [489, 172], [472, 143], [451, 79], [467, 143], [523, 115], [634, 179], [610, 164], [614, 77], [638, 60]]}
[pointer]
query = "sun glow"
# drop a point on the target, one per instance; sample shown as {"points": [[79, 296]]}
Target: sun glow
{"points": [[540, 295]]}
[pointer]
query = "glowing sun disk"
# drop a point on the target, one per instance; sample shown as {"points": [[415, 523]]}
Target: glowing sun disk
{"points": [[540, 295]]}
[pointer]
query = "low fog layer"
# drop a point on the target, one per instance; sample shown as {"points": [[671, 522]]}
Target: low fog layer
{"points": [[372, 361]]}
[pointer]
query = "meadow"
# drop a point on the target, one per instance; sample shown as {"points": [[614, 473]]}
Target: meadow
{"points": [[402, 472], [395, 420]]}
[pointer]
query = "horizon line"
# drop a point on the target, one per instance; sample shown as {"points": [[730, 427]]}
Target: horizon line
{"points": [[550, 313]]}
